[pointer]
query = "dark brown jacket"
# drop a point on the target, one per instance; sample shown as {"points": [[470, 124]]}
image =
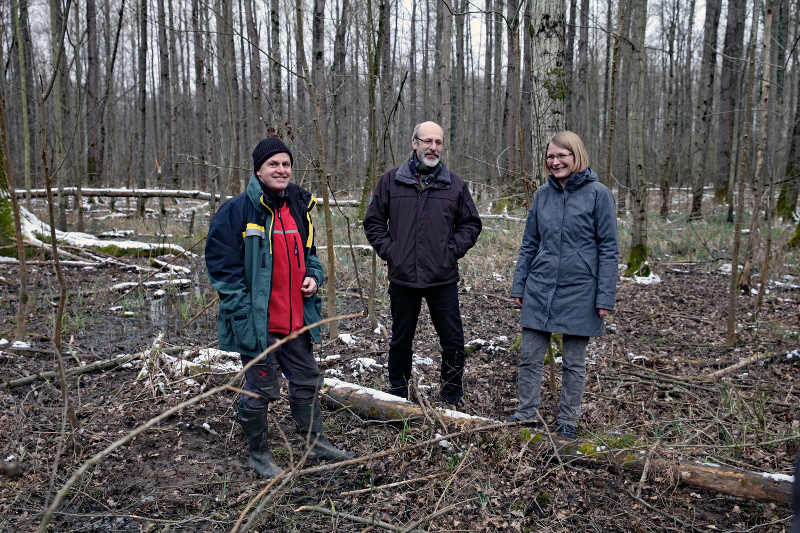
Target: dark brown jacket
{"points": [[422, 233]]}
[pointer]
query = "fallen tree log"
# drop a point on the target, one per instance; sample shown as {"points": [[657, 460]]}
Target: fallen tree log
{"points": [[149, 193], [374, 404], [378, 405]]}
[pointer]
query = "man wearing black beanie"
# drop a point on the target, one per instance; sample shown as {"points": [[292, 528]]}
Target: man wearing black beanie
{"points": [[261, 258]]}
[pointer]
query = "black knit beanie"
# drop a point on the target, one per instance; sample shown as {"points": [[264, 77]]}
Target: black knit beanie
{"points": [[266, 149]]}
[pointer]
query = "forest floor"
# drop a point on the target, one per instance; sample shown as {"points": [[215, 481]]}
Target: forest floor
{"points": [[189, 472]]}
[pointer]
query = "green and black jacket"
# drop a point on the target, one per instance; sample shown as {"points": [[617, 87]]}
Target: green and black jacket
{"points": [[239, 263]]}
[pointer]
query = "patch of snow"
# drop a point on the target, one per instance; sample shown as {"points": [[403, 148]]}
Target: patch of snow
{"points": [[348, 339], [10, 458], [557, 360], [794, 354], [476, 342], [20, 344], [380, 330], [335, 372], [419, 360], [334, 357], [364, 364], [652, 279], [3, 342], [498, 277], [467, 288], [378, 395], [159, 293], [181, 282], [778, 477], [116, 234], [444, 443], [501, 338]]}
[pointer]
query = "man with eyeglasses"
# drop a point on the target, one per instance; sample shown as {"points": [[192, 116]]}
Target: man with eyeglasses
{"points": [[421, 221]]}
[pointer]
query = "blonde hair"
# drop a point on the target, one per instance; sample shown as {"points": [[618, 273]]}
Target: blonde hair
{"points": [[569, 141]]}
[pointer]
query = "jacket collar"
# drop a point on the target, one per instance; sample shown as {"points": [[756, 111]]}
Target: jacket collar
{"points": [[576, 180], [407, 176]]}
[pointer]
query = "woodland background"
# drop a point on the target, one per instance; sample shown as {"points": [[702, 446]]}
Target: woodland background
{"points": [[691, 114]]}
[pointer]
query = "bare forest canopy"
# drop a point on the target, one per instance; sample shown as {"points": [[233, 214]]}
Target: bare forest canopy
{"points": [[175, 93]]}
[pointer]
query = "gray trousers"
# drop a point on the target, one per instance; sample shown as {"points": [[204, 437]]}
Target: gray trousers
{"points": [[295, 359], [529, 379]]}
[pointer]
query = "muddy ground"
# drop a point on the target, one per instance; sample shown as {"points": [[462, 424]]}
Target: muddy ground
{"points": [[189, 472]]}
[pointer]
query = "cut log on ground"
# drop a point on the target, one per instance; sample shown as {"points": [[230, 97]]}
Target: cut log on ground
{"points": [[378, 405]]}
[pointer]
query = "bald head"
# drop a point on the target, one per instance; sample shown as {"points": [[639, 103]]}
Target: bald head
{"points": [[421, 129]]}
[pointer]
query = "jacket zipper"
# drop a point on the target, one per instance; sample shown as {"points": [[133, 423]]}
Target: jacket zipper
{"points": [[283, 228], [296, 254]]}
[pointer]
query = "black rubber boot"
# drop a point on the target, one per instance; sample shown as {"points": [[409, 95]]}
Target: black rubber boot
{"points": [[309, 416], [254, 424]]}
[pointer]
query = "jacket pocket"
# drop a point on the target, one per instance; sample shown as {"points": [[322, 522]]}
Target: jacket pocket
{"points": [[244, 332], [585, 263]]}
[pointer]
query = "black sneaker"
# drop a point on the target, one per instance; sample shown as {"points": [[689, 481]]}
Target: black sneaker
{"points": [[567, 432]]}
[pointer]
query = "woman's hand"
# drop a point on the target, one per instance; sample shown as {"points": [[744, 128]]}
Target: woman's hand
{"points": [[309, 287], [602, 313], [517, 302]]}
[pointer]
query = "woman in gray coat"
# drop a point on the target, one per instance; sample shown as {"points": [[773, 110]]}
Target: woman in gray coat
{"points": [[566, 277]]}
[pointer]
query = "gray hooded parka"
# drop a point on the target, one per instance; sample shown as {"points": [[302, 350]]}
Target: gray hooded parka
{"points": [[567, 266]]}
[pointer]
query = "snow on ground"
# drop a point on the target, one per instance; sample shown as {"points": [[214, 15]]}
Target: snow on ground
{"points": [[33, 227]]}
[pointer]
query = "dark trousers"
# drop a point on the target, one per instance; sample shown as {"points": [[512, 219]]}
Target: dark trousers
{"points": [[446, 317], [295, 360]]}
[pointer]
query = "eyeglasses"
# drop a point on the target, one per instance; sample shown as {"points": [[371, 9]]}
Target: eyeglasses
{"points": [[428, 142], [561, 157]]}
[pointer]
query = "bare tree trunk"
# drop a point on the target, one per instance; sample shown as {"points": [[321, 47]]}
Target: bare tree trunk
{"points": [[733, 287], [10, 225], [386, 83], [612, 98], [569, 68], [200, 97], [497, 85], [17, 14], [511, 100], [705, 107], [141, 182], [761, 143], [728, 92], [93, 158], [57, 29], [787, 199], [581, 84], [338, 83], [320, 166], [318, 63], [256, 91], [669, 125], [165, 94], [488, 84], [636, 103], [547, 26], [526, 98], [276, 104], [444, 71]]}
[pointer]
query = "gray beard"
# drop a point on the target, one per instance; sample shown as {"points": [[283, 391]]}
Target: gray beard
{"points": [[428, 164]]}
